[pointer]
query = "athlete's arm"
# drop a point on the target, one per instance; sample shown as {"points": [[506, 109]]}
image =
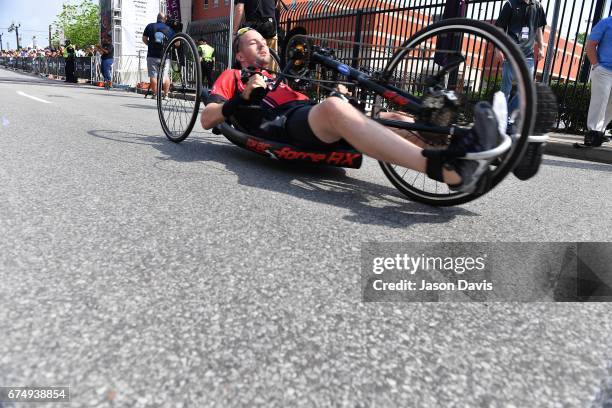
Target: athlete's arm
{"points": [[213, 113]]}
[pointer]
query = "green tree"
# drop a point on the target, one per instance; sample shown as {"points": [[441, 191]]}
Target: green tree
{"points": [[581, 38], [79, 22]]}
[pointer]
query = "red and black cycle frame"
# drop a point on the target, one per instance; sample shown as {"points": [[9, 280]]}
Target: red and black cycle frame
{"points": [[409, 103]]}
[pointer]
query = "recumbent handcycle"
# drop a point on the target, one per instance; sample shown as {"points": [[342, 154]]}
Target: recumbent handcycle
{"points": [[425, 78]]}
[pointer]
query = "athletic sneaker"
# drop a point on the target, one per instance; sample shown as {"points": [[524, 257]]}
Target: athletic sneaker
{"points": [[484, 136]]}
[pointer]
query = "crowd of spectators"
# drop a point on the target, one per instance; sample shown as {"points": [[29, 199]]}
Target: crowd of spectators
{"points": [[40, 60], [47, 52]]}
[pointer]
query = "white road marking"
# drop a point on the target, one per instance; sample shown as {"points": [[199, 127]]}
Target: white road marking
{"points": [[32, 97]]}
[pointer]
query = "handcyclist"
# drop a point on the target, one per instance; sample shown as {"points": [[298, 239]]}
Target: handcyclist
{"points": [[290, 116]]}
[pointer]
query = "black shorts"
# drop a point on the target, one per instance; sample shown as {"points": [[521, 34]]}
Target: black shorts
{"points": [[298, 131]]}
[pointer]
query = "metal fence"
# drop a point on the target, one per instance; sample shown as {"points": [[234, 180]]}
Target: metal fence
{"points": [[217, 34], [84, 66], [128, 70], [387, 24]]}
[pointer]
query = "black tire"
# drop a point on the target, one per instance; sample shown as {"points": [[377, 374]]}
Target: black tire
{"points": [[181, 64], [417, 186]]}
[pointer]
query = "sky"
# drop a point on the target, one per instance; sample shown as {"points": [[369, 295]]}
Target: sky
{"points": [[34, 16]]}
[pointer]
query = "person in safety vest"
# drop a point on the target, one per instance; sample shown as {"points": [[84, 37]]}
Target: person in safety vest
{"points": [[207, 54]]}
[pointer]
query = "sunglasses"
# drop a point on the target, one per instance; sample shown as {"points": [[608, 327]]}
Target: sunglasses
{"points": [[243, 30], [239, 34]]}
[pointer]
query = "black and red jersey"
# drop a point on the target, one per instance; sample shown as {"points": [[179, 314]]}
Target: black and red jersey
{"points": [[277, 102], [229, 84]]}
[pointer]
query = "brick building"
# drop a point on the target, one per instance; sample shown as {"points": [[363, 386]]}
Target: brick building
{"points": [[371, 22]]}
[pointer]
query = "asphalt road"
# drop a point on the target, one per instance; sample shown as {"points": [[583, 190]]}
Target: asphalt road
{"points": [[144, 273]]}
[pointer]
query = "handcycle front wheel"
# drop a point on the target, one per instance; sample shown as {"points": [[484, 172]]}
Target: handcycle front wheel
{"points": [[180, 65], [473, 80]]}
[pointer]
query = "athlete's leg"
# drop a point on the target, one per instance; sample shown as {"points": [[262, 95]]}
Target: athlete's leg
{"points": [[403, 117], [334, 119]]}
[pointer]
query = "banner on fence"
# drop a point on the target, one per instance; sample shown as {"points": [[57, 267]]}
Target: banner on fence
{"points": [[173, 8], [136, 14]]}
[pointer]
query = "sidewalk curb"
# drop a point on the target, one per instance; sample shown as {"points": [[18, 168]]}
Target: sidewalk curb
{"points": [[563, 146]]}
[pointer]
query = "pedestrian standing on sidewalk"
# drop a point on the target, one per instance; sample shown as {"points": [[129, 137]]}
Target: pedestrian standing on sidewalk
{"points": [[599, 52], [107, 54], [523, 21]]}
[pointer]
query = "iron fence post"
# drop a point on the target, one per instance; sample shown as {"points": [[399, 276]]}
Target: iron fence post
{"points": [[362, 95], [551, 44], [356, 47], [599, 9]]}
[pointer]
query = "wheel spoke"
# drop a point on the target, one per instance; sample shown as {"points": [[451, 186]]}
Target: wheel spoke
{"points": [[475, 79], [178, 112]]}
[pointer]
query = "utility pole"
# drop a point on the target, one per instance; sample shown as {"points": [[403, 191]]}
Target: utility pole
{"points": [[49, 35], [17, 34], [1, 34], [15, 28]]}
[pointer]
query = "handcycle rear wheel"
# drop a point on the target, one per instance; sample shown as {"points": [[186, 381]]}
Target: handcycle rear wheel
{"points": [[417, 58], [180, 64]]}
